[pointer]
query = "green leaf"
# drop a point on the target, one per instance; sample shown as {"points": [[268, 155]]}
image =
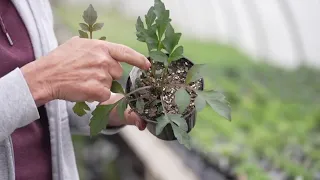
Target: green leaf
{"points": [[200, 103], [152, 44], [150, 17], [159, 8], [182, 99], [90, 15], [178, 120], [171, 39], [162, 123], [158, 56], [152, 38], [163, 17], [152, 32], [122, 106], [116, 87], [139, 25], [217, 101], [162, 23], [147, 35], [181, 135], [103, 38], [140, 105], [83, 34], [141, 31], [100, 118], [84, 27], [141, 36], [97, 26], [80, 107], [195, 72], [176, 54]]}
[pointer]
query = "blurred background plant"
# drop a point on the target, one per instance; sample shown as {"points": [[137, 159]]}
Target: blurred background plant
{"points": [[269, 75]]}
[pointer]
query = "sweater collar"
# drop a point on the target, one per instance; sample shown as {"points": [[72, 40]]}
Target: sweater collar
{"points": [[28, 16]]}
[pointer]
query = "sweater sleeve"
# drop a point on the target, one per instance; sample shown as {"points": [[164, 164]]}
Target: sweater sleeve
{"points": [[18, 107], [80, 125]]}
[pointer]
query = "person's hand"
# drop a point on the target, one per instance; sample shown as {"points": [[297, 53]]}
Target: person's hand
{"points": [[79, 70], [130, 118]]}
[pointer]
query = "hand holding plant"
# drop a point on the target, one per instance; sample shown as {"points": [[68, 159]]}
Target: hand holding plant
{"points": [[167, 95]]}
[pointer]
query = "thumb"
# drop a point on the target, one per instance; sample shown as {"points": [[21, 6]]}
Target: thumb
{"points": [[133, 119]]}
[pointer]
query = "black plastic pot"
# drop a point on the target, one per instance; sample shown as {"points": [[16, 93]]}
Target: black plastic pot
{"points": [[167, 133]]}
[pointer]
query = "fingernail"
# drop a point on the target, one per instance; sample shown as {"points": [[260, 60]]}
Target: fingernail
{"points": [[148, 64]]}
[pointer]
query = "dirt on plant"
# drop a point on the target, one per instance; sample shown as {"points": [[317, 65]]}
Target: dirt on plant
{"points": [[147, 102]]}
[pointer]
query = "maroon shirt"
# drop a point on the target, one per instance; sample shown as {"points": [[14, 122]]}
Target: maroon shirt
{"points": [[31, 144]]}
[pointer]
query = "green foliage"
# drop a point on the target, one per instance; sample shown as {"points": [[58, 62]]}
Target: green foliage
{"points": [[164, 50], [140, 105], [200, 103], [176, 54], [275, 121], [199, 71], [149, 35], [140, 26], [116, 87], [100, 118], [157, 24], [179, 121], [271, 107], [122, 106], [159, 8], [217, 101], [162, 23], [151, 40], [181, 135], [83, 34], [90, 15], [84, 27], [179, 127], [80, 108], [171, 39], [150, 17], [97, 26], [182, 99], [158, 56], [231, 70], [162, 122], [195, 73], [162, 17], [100, 115]]}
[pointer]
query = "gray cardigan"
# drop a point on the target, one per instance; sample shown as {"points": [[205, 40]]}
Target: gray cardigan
{"points": [[19, 109]]}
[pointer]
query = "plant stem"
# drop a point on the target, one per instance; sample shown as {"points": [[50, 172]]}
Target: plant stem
{"points": [[153, 69], [159, 44], [139, 89], [164, 74], [164, 110], [90, 31], [143, 96]]}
